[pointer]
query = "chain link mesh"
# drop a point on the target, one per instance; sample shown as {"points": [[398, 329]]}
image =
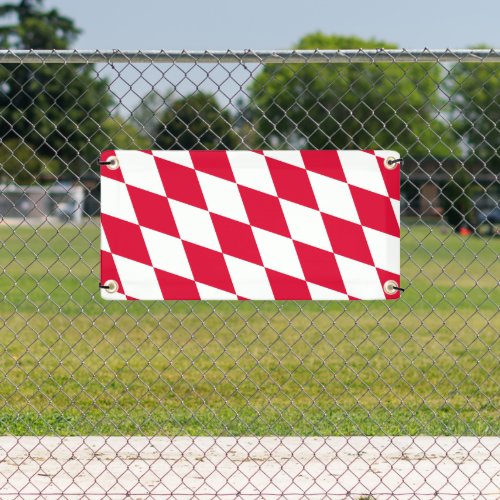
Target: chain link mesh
{"points": [[251, 399]]}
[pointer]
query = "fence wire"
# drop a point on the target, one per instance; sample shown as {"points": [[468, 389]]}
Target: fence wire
{"points": [[252, 399]]}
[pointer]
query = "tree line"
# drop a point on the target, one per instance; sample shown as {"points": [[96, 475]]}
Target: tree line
{"points": [[55, 119]]}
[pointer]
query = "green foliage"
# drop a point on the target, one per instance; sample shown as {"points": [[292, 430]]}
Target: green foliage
{"points": [[475, 96], [145, 117], [456, 199], [58, 110], [123, 134], [195, 122], [351, 105], [22, 165]]}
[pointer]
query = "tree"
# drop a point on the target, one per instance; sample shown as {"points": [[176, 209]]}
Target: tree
{"points": [[124, 134], [22, 165], [351, 105], [56, 110], [456, 199], [146, 116], [195, 121], [475, 96]]}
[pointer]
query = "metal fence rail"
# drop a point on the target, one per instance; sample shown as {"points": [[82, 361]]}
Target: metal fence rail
{"points": [[241, 400], [250, 56]]}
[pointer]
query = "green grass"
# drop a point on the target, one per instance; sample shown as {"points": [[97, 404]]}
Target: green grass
{"points": [[71, 363]]}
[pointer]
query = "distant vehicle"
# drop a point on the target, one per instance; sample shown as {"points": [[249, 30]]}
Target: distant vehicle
{"points": [[488, 215], [65, 210]]}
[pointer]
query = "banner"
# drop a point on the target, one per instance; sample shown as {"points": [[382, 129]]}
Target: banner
{"points": [[258, 225]]}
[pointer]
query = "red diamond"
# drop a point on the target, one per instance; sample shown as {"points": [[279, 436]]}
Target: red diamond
{"points": [[153, 211], [264, 211], [180, 183], [375, 211], [325, 163], [213, 163], [208, 267], [347, 239], [320, 267], [125, 239], [287, 287], [175, 287], [236, 239], [292, 183]]}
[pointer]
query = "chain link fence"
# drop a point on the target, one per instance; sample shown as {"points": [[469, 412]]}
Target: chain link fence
{"points": [[251, 399]]}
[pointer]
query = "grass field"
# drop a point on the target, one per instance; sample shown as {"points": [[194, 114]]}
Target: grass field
{"points": [[71, 363]]}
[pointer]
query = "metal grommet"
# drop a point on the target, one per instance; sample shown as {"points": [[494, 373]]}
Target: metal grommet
{"points": [[390, 287], [111, 286], [112, 163], [390, 162]]}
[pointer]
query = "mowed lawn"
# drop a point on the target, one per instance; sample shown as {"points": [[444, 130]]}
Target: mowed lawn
{"points": [[71, 363]]}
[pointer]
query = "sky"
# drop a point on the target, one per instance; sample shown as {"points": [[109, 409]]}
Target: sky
{"points": [[277, 24], [261, 24]]}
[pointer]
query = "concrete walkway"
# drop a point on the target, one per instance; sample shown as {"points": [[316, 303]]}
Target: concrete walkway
{"points": [[248, 467]]}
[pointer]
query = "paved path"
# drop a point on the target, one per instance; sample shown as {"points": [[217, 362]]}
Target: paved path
{"points": [[247, 467]]}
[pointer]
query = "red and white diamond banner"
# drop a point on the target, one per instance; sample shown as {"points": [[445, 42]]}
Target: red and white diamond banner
{"points": [[234, 225]]}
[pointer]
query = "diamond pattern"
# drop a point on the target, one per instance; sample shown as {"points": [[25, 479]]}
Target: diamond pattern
{"points": [[175, 287], [375, 211], [180, 183], [326, 163], [236, 239], [292, 184], [264, 211], [125, 239], [320, 267], [347, 239], [209, 267], [250, 225], [153, 211]]}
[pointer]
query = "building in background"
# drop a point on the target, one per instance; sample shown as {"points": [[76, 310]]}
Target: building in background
{"points": [[60, 201]]}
